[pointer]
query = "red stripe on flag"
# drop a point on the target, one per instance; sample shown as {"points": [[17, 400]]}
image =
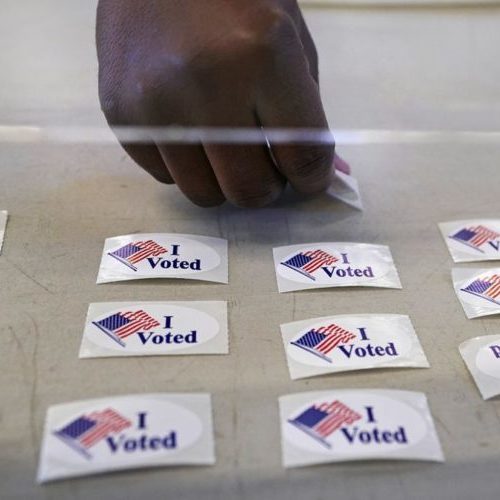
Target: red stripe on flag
{"points": [[140, 320], [333, 341], [334, 335], [483, 235], [108, 421], [494, 289], [340, 415], [148, 249], [319, 259]]}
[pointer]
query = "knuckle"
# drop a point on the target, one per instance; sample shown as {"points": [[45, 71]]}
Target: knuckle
{"points": [[146, 84], [143, 89], [236, 53], [277, 24], [259, 37], [290, 5]]}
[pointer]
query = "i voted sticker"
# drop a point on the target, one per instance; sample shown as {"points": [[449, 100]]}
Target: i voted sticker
{"points": [[323, 265], [351, 342], [155, 329], [142, 256], [482, 357], [472, 240], [364, 424], [128, 432], [478, 290], [3, 224]]}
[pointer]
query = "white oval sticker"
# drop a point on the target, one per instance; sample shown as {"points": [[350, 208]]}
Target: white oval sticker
{"points": [[123, 432], [155, 328], [358, 424], [482, 357], [355, 425], [142, 432], [350, 342], [142, 256], [320, 265], [330, 264], [483, 290], [488, 359], [472, 240]]}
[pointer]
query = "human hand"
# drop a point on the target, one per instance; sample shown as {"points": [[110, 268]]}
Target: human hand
{"points": [[216, 63]]}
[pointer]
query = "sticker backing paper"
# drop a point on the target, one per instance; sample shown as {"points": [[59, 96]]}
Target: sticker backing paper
{"points": [[324, 265], [482, 357], [472, 240], [142, 256], [155, 329], [345, 188], [361, 424], [478, 290], [351, 342], [3, 224], [126, 432]]}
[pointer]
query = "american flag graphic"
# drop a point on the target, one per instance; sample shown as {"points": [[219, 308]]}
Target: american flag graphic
{"points": [[133, 253], [321, 341], [321, 420], [121, 325], [307, 263], [475, 237], [86, 431], [486, 288]]}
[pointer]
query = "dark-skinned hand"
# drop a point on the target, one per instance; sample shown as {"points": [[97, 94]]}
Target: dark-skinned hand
{"points": [[216, 63]]}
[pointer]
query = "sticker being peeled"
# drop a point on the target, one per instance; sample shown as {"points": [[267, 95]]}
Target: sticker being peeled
{"points": [[155, 328], [478, 290], [345, 188], [142, 256], [472, 240], [482, 357], [3, 224], [351, 342], [365, 424], [323, 265], [127, 432]]}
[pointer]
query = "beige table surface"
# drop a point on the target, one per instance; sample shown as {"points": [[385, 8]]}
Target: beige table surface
{"points": [[397, 70]]}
